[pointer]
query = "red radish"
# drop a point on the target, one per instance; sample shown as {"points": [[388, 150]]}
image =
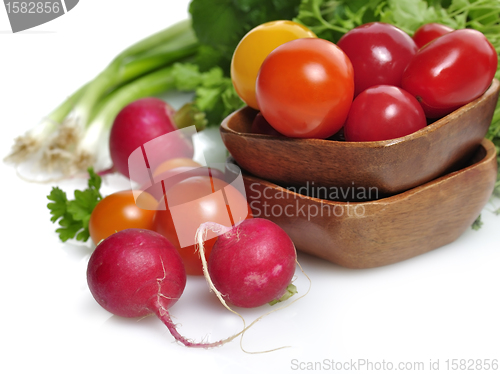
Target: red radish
{"points": [[251, 264], [134, 273], [138, 123]]}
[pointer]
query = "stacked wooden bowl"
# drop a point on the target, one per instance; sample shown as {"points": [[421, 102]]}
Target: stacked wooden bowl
{"points": [[368, 204]]}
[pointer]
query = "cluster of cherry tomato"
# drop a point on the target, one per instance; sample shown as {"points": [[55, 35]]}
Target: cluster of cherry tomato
{"points": [[184, 182], [375, 83]]}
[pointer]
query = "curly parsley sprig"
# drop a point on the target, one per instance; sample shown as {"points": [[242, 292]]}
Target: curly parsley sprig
{"points": [[73, 215]]}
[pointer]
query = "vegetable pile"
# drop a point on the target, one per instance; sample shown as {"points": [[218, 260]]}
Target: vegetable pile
{"points": [[195, 55], [233, 53], [139, 268]]}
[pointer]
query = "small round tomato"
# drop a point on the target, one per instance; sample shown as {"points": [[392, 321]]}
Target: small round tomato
{"points": [[119, 211], [175, 163], [253, 49], [305, 88], [379, 53], [453, 70], [428, 32], [382, 113], [192, 202]]}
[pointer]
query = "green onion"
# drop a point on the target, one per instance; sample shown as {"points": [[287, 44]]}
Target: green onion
{"points": [[52, 146]]}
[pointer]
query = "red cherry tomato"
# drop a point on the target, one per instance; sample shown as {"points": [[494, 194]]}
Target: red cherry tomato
{"points": [[192, 202], [428, 32], [453, 70], [379, 53], [305, 88], [119, 211], [261, 126], [382, 113]]}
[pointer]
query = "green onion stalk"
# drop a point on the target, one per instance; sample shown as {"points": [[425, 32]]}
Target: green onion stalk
{"points": [[66, 141]]}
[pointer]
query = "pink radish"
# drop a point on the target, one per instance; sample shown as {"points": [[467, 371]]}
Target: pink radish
{"points": [[134, 273], [138, 123], [251, 264]]}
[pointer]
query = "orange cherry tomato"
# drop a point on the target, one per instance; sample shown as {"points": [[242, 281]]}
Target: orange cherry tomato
{"points": [[119, 211], [175, 163], [192, 202]]}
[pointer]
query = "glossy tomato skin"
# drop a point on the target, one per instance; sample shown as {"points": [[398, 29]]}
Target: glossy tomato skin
{"points": [[453, 70], [428, 32], [254, 47], [305, 88], [381, 113], [379, 53], [119, 211], [198, 204]]}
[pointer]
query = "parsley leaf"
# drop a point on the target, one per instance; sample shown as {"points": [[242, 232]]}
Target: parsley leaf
{"points": [[330, 19], [58, 205], [73, 215]]}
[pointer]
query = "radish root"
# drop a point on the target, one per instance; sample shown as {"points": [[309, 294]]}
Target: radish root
{"points": [[163, 314]]}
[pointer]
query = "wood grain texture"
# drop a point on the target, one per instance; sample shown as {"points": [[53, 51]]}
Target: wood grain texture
{"points": [[392, 166], [385, 231]]}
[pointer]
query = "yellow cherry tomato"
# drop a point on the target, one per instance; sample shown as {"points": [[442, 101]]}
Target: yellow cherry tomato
{"points": [[254, 47]]}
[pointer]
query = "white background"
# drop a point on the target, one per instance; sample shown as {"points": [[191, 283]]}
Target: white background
{"points": [[441, 305]]}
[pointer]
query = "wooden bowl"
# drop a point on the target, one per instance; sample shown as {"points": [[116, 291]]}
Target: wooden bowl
{"points": [[385, 231], [391, 166]]}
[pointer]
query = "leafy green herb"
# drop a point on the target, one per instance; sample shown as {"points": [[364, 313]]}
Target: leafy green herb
{"points": [[220, 24], [73, 215], [476, 225], [331, 19], [214, 92]]}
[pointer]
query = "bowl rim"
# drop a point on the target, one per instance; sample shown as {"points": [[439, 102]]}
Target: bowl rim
{"points": [[489, 156], [492, 90]]}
